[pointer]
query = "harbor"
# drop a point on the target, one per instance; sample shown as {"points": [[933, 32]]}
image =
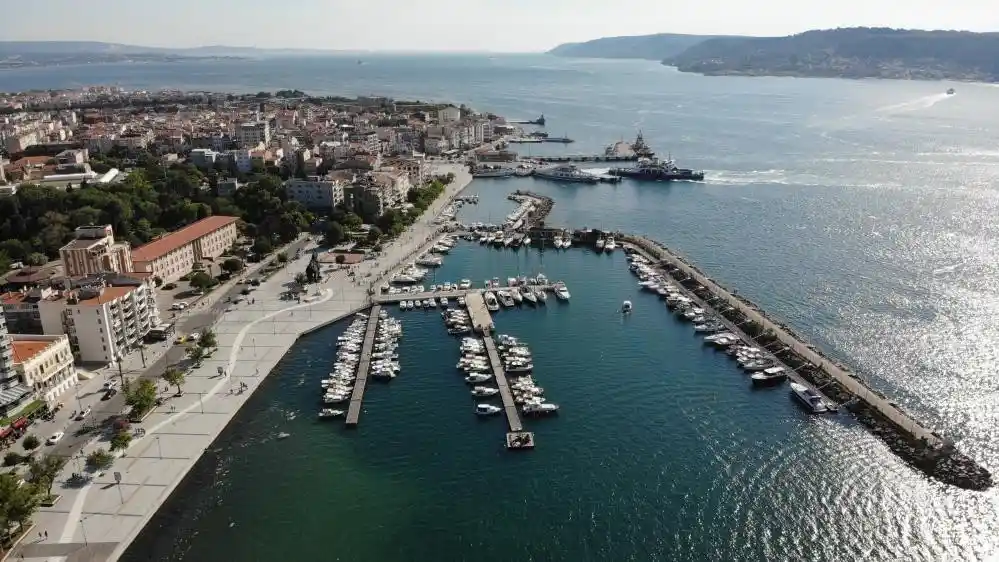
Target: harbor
{"points": [[357, 397]]}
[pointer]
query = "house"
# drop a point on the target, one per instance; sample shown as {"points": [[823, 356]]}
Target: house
{"points": [[172, 256]]}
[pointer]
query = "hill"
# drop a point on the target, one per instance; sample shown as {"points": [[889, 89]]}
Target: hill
{"points": [[651, 47], [849, 53], [49, 48]]}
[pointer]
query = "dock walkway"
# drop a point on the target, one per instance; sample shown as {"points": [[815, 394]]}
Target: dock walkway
{"points": [[482, 321], [509, 406], [396, 299], [363, 367]]}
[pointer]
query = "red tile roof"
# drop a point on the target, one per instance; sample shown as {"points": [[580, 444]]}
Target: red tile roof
{"points": [[182, 237], [109, 294], [26, 349]]}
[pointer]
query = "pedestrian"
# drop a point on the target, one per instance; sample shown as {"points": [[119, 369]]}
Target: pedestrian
{"points": [[46, 535]]}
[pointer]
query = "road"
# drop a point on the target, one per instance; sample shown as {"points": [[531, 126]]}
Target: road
{"points": [[192, 321]]}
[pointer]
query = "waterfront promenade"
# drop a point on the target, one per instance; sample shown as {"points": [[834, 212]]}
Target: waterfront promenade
{"points": [[97, 521]]}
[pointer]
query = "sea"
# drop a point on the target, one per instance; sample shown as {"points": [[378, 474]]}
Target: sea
{"points": [[861, 212]]}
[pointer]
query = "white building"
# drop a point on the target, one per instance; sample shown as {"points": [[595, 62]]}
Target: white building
{"points": [[448, 114], [250, 135], [243, 160], [315, 192], [45, 364], [13, 394], [95, 251]]}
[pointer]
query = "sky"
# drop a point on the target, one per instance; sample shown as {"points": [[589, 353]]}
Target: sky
{"points": [[458, 25]]}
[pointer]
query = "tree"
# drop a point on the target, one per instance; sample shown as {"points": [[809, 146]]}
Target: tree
{"points": [[196, 354], [340, 259], [208, 339], [43, 472], [12, 458], [352, 221], [31, 442], [334, 234], [201, 280], [374, 235], [100, 460], [282, 258], [232, 265], [37, 258], [175, 377], [301, 278], [262, 245], [121, 440], [18, 502], [141, 397]]}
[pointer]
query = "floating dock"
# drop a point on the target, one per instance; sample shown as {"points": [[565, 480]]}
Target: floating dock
{"points": [[482, 321], [516, 438], [363, 368], [385, 298]]}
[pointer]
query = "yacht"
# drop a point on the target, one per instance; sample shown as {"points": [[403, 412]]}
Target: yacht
{"points": [[539, 295], [482, 391], [487, 409], [491, 304], [505, 299], [609, 244], [561, 291], [539, 409], [808, 398], [601, 244], [626, 307], [465, 284], [528, 295], [476, 378], [565, 172], [557, 242], [402, 305], [492, 172], [516, 296], [769, 377]]}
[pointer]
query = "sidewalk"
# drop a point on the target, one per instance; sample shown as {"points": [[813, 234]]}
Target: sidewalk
{"points": [[98, 520]]}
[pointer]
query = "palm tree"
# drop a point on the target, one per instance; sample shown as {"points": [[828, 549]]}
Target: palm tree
{"points": [[175, 377], [43, 472]]}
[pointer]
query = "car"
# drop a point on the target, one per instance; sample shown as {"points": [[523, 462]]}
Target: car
{"points": [[197, 292], [181, 305], [55, 438], [230, 308], [109, 394], [245, 291], [193, 336], [255, 282], [180, 340], [83, 414], [111, 384]]}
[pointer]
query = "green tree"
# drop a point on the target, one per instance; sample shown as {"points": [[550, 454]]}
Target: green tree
{"points": [[12, 458], [352, 221], [262, 245], [37, 258], [374, 235], [121, 440], [196, 354], [301, 278], [208, 339], [232, 265], [175, 377], [31, 442], [201, 280], [340, 259], [334, 234], [282, 258], [43, 472], [18, 502], [142, 396], [100, 460]]}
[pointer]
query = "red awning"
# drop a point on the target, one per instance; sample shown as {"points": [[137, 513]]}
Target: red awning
{"points": [[6, 432], [19, 423]]}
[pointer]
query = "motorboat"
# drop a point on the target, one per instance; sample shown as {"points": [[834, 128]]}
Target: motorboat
{"points": [[465, 284], [476, 378], [626, 307], [487, 409], [483, 391], [769, 377], [461, 302], [330, 413], [561, 291], [708, 327], [601, 244], [610, 245], [539, 295], [492, 305], [505, 299], [444, 303], [810, 399], [527, 294], [539, 409], [565, 172], [516, 296], [430, 261]]}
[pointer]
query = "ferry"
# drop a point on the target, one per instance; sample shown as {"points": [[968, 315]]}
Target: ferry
{"points": [[568, 173], [654, 169], [498, 172]]}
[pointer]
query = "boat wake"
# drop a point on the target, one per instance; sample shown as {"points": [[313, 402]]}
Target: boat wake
{"points": [[924, 102], [947, 269], [742, 178]]}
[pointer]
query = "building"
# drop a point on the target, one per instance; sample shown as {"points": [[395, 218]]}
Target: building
{"points": [[174, 255], [20, 309], [95, 251], [314, 192], [228, 187], [448, 114], [375, 192], [203, 157], [13, 394], [250, 135], [103, 322], [44, 364]]}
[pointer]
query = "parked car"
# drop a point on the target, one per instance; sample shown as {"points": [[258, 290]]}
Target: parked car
{"points": [[83, 414], [55, 438]]}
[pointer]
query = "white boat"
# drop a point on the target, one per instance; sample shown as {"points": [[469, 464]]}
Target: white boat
{"points": [[528, 295], [330, 413], [444, 302], [465, 284], [539, 409], [626, 306], [809, 398], [491, 172], [516, 296], [487, 409], [610, 245], [482, 391], [505, 299], [565, 172], [492, 305], [430, 261], [539, 295], [601, 243], [476, 378], [561, 291]]}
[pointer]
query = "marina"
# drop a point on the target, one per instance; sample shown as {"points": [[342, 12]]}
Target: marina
{"points": [[363, 368]]}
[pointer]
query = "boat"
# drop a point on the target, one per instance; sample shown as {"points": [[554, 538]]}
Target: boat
{"points": [[539, 409], [516, 295], [561, 291], [487, 409], [492, 305], [655, 169], [505, 299], [810, 399], [601, 244], [566, 172], [330, 413], [528, 295], [626, 306], [769, 377], [610, 245], [492, 172], [539, 295], [283, 435], [481, 391], [476, 378], [950, 91]]}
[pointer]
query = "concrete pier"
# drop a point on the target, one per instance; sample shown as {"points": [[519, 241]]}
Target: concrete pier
{"points": [[509, 406], [363, 367], [482, 321]]}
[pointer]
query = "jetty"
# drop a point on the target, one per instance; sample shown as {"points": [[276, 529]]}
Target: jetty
{"points": [[482, 321], [907, 437], [587, 158], [516, 438], [363, 368], [386, 298]]}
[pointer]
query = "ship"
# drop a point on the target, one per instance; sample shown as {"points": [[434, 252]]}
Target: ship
{"points": [[655, 169], [950, 91], [565, 173], [491, 172], [641, 149], [540, 121]]}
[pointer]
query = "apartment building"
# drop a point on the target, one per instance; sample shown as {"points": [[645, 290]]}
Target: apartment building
{"points": [[174, 255], [44, 364], [20, 309], [13, 394], [314, 192], [203, 157], [448, 114], [95, 251], [103, 323], [249, 135]]}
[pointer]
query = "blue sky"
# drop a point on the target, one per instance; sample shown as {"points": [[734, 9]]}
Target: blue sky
{"points": [[458, 25]]}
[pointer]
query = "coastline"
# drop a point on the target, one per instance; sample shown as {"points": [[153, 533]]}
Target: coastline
{"points": [[104, 522], [763, 73]]}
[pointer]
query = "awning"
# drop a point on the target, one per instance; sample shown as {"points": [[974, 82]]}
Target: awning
{"points": [[19, 423], [6, 432]]}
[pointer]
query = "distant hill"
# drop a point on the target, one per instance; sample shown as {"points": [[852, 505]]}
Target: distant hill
{"points": [[849, 53], [652, 47], [49, 48]]}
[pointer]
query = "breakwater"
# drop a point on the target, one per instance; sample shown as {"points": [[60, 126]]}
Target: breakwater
{"points": [[542, 208], [920, 446]]}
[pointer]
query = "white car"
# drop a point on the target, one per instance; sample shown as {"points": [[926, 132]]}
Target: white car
{"points": [[178, 306], [55, 438], [193, 336]]}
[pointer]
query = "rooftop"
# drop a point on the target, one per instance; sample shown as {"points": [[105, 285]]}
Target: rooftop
{"points": [[24, 350], [107, 295], [180, 238]]}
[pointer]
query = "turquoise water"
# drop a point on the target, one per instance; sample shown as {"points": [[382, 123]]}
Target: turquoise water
{"points": [[861, 212]]}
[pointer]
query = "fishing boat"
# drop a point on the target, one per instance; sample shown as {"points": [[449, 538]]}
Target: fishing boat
{"points": [[626, 307]]}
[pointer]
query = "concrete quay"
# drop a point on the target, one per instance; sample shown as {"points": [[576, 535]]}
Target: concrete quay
{"points": [[98, 520]]}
